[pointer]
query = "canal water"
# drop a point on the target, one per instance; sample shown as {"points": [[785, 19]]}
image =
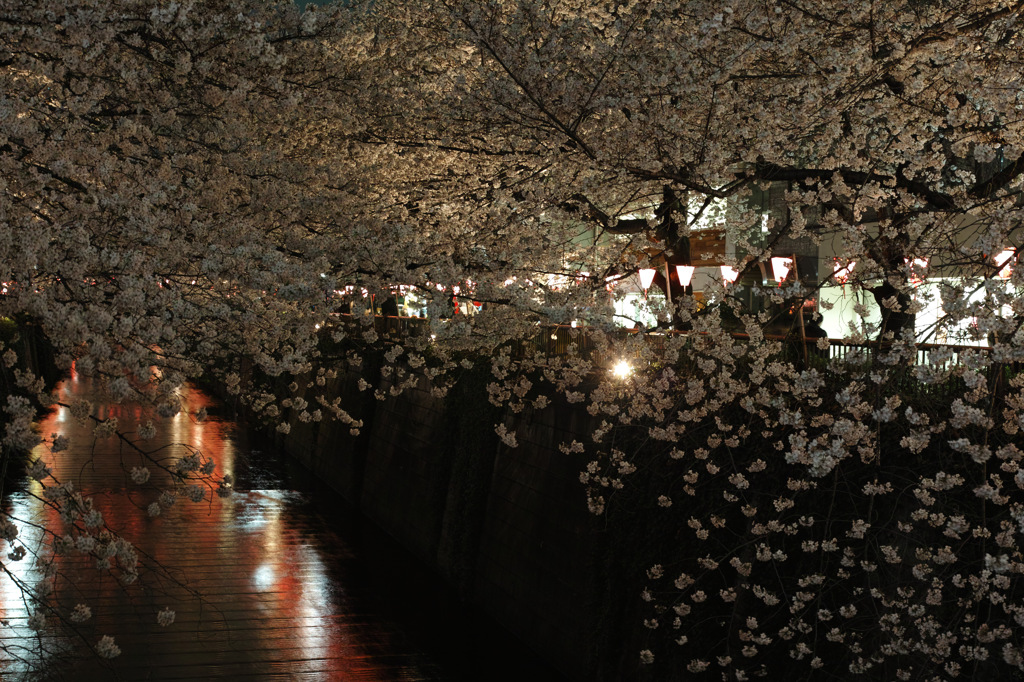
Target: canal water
{"points": [[281, 580]]}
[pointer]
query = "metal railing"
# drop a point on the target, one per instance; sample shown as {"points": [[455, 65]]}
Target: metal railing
{"points": [[555, 340]]}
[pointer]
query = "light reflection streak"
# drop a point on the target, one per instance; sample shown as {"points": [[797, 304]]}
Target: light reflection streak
{"points": [[263, 578], [315, 596], [263, 537]]}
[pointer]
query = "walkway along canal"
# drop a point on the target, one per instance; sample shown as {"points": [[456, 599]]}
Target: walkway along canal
{"points": [[274, 582]]}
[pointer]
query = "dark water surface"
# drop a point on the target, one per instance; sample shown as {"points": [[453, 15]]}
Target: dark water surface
{"points": [[279, 581]]}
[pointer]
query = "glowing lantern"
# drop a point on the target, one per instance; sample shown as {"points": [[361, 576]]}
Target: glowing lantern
{"points": [[646, 277], [729, 274], [917, 265], [841, 273], [781, 268], [685, 274], [1002, 260]]}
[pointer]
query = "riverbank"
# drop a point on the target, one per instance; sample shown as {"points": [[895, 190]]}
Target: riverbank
{"points": [[278, 581], [466, 643], [507, 529]]}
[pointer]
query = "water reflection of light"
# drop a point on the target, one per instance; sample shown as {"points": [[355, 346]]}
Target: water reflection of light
{"points": [[30, 515], [257, 512], [272, 541], [263, 577], [178, 428], [22, 507], [315, 602], [260, 543]]}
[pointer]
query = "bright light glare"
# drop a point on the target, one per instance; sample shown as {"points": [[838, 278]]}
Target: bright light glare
{"points": [[841, 273], [781, 267], [1002, 260], [646, 277], [917, 267], [685, 274], [622, 369]]}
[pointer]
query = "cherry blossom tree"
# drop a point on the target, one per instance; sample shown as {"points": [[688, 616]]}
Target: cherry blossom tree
{"points": [[828, 491], [884, 128], [171, 197], [187, 186]]}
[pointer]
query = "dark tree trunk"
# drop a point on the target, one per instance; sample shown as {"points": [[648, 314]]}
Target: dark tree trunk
{"points": [[677, 253], [894, 322]]}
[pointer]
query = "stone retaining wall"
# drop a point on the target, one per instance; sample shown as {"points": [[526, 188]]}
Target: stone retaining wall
{"points": [[508, 528]]}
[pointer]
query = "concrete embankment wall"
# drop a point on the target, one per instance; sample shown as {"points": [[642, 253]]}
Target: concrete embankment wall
{"points": [[507, 527]]}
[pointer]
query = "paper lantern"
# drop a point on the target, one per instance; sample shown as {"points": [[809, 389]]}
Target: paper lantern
{"points": [[646, 277], [1002, 260], [916, 266], [841, 272], [685, 274], [781, 268]]}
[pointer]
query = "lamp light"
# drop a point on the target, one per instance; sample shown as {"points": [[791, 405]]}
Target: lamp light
{"points": [[1002, 260], [841, 272], [685, 274], [730, 274], [917, 264], [781, 266], [646, 277]]}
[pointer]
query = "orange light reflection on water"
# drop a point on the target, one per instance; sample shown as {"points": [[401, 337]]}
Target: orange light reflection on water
{"points": [[247, 575]]}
